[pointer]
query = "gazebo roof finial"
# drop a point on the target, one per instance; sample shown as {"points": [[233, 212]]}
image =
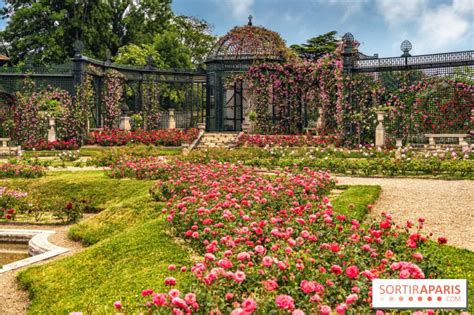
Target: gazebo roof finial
{"points": [[250, 19]]}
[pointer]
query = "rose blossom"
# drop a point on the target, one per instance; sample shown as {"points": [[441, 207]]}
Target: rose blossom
{"points": [[341, 308], [307, 286], [267, 261], [325, 310], [352, 272], [336, 269], [285, 302], [270, 285], [239, 276], [118, 305], [170, 281], [351, 298], [249, 305]]}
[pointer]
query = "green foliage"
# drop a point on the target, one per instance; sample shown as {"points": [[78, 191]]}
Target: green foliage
{"points": [[45, 31], [342, 163], [184, 44], [137, 55], [110, 156], [318, 46]]}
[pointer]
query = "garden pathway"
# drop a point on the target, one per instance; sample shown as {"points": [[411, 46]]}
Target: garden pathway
{"points": [[14, 300], [447, 206]]}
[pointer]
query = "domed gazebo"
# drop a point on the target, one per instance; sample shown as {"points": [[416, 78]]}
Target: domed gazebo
{"points": [[234, 53]]}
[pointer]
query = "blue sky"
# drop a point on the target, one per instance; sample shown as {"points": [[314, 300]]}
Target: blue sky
{"points": [[379, 25]]}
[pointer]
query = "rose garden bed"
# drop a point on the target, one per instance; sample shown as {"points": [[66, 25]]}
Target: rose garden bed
{"points": [[246, 241], [258, 235]]}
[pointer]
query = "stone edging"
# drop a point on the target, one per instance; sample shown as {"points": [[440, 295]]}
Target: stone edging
{"points": [[39, 246]]}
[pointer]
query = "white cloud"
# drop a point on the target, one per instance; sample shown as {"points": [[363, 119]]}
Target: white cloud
{"points": [[431, 27], [239, 8], [397, 12], [350, 6]]}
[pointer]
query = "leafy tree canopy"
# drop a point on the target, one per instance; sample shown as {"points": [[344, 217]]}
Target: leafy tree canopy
{"points": [[44, 31], [318, 46], [184, 44]]}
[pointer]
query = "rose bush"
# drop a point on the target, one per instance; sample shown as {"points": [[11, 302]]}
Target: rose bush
{"points": [[272, 242], [11, 202], [165, 137], [9, 170], [43, 144]]}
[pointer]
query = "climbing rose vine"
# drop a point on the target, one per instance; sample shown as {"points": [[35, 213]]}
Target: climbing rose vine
{"points": [[113, 96]]}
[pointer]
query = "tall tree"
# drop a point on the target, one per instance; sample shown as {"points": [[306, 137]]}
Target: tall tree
{"points": [[185, 43], [44, 31], [318, 46], [196, 34]]}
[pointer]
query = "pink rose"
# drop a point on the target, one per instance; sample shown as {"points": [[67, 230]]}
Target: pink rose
{"points": [[418, 256], [160, 299], [307, 286], [341, 308], [239, 276], [190, 298], [351, 298], [249, 305], [174, 293], [270, 285], [285, 302], [325, 310], [267, 261], [170, 281]]}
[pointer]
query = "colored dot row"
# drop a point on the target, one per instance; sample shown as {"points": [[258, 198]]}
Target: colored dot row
{"points": [[411, 298]]}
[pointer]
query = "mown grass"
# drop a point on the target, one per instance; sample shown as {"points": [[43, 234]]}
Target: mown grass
{"points": [[122, 203], [117, 268], [131, 249], [353, 201], [91, 151]]}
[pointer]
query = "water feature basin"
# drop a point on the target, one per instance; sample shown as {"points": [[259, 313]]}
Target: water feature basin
{"points": [[19, 248]]}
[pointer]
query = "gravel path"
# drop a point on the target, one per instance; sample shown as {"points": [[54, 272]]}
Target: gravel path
{"points": [[14, 300], [447, 206]]}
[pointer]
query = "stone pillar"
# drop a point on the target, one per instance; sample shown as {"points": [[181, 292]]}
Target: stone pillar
{"points": [[125, 123], [380, 130], [201, 126], [320, 121], [172, 120], [51, 131]]}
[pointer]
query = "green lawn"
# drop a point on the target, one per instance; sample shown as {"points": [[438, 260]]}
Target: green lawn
{"points": [[95, 150], [131, 249], [357, 196]]}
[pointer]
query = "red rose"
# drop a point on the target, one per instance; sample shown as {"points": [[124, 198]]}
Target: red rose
{"points": [[352, 272], [442, 240]]}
